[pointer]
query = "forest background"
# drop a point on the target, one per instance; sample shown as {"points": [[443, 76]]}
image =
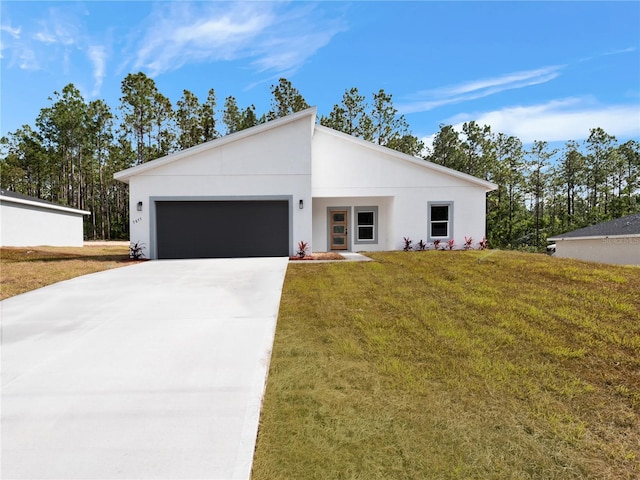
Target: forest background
{"points": [[74, 147]]}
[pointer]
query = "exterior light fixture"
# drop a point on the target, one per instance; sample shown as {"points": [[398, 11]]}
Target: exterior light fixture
{"points": [[139, 206], [301, 204]]}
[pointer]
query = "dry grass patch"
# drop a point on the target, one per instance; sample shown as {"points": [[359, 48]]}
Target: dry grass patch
{"points": [[454, 365], [25, 269], [327, 256]]}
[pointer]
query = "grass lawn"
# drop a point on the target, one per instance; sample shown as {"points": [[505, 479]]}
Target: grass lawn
{"points": [[25, 269], [454, 365]]}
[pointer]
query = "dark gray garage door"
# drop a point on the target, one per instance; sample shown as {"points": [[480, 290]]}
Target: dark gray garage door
{"points": [[222, 229]]}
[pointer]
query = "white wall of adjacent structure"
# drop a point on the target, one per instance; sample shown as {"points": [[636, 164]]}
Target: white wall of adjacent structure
{"points": [[621, 250], [30, 224]]}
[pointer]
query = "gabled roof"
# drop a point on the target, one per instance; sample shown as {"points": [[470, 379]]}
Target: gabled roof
{"points": [[125, 175], [408, 158], [311, 113], [19, 198], [624, 226]]}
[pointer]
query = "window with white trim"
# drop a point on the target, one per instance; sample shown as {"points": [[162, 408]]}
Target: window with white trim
{"points": [[366, 223], [440, 220]]}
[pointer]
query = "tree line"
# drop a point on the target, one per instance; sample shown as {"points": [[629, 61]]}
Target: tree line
{"points": [[70, 155], [543, 191]]}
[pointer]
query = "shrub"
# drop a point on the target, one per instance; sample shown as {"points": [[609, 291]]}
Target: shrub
{"points": [[451, 244], [468, 243], [436, 244], [421, 246], [302, 249], [407, 244], [135, 250]]}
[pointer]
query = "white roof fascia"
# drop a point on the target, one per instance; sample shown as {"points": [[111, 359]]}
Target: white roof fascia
{"points": [[125, 175], [593, 237], [48, 206], [489, 186]]}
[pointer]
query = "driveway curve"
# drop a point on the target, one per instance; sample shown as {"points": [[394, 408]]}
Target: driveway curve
{"points": [[151, 371]]}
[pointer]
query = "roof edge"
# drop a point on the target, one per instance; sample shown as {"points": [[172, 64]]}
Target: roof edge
{"points": [[489, 186], [125, 175], [48, 206], [594, 237]]}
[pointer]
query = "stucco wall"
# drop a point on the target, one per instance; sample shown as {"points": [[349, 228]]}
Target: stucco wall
{"points": [[272, 162], [296, 159], [615, 250], [30, 226], [344, 170]]}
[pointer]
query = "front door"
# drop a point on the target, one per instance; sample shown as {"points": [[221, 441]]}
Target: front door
{"points": [[339, 230]]}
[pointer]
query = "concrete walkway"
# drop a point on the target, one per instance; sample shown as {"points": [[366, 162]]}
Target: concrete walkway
{"points": [[151, 371], [355, 257]]}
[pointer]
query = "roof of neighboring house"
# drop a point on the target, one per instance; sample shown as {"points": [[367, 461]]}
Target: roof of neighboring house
{"points": [[8, 193], [310, 113], [13, 197], [624, 226]]}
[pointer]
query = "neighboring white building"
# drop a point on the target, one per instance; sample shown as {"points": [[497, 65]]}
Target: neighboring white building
{"points": [[29, 222], [616, 241], [260, 191]]}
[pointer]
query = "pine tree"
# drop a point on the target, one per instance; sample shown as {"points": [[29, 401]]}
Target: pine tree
{"points": [[286, 99]]}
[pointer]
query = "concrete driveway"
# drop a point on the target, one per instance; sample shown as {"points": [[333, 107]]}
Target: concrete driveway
{"points": [[151, 371]]}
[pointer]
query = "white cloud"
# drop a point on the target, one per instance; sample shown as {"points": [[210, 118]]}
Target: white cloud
{"points": [[290, 52], [45, 37], [59, 27], [20, 54], [510, 80], [426, 100], [14, 32], [98, 56], [429, 99], [193, 36], [621, 50], [38, 46], [27, 60], [191, 33], [57, 42], [557, 120], [229, 29], [610, 52]]}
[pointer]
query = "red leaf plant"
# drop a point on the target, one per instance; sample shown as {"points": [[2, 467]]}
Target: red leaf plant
{"points": [[468, 243]]}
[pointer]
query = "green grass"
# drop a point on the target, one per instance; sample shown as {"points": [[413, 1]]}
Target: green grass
{"points": [[454, 365]]}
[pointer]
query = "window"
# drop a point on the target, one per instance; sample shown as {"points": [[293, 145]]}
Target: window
{"points": [[365, 226], [366, 223], [440, 220]]}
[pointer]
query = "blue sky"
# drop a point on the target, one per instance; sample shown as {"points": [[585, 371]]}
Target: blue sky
{"points": [[538, 70]]}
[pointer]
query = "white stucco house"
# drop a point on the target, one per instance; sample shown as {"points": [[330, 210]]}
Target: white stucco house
{"points": [[29, 222], [616, 241], [260, 191]]}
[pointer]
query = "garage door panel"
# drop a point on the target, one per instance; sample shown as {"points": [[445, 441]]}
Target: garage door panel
{"points": [[222, 229]]}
